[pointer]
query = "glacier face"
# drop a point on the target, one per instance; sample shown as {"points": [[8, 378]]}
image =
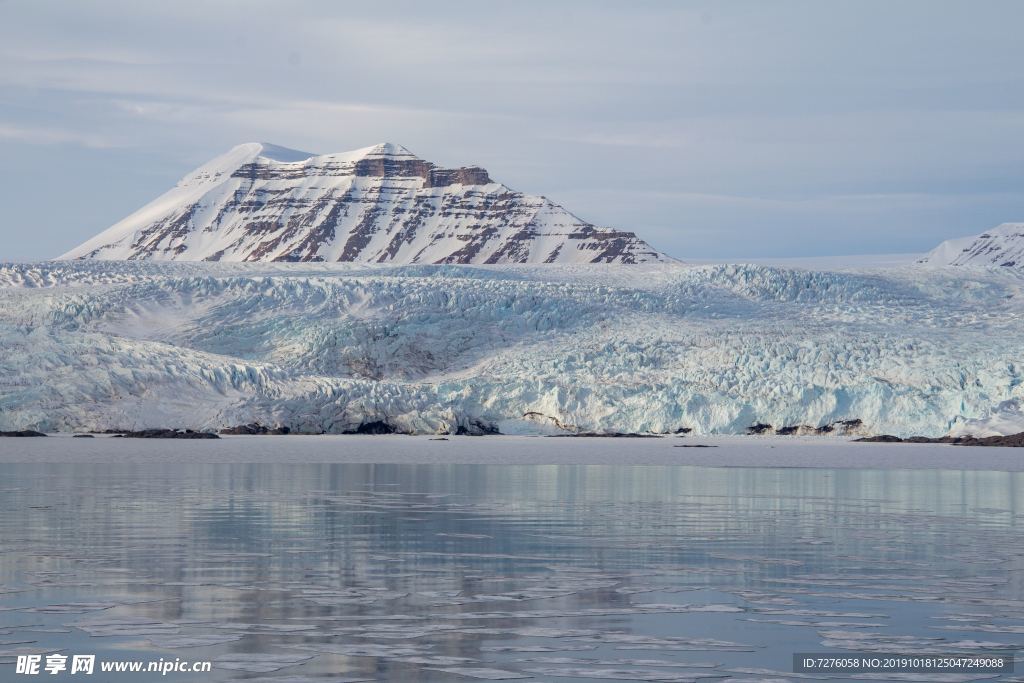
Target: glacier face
{"points": [[380, 204], [92, 345], [1001, 246]]}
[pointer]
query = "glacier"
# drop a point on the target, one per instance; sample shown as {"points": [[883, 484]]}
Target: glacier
{"points": [[326, 347]]}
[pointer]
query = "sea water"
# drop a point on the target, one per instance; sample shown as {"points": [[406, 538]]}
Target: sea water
{"points": [[330, 572]]}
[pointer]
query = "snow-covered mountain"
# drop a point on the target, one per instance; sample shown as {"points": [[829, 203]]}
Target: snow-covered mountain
{"points": [[329, 347], [1000, 246], [380, 204]]}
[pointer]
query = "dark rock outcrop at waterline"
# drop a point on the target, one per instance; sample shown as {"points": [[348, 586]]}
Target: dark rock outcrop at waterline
{"points": [[1008, 441], [881, 438], [377, 427], [255, 429], [610, 435], [166, 434], [841, 427], [22, 432], [477, 428]]}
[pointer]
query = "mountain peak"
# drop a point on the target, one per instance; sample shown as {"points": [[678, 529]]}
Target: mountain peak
{"points": [[266, 150], [269, 150], [388, 149], [380, 204], [1003, 246]]}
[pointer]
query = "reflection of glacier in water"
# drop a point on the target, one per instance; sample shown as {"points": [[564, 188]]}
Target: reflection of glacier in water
{"points": [[454, 572]]}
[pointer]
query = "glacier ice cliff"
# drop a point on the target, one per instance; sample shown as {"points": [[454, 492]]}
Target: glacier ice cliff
{"points": [[92, 345]]}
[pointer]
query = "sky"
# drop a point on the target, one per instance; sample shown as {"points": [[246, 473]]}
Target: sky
{"points": [[714, 130]]}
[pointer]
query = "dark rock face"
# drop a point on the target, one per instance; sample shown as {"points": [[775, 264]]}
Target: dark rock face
{"points": [[841, 427], [1008, 441], [167, 434], [255, 428], [376, 427], [22, 433], [476, 428], [535, 416], [788, 431], [470, 175], [83, 436]]}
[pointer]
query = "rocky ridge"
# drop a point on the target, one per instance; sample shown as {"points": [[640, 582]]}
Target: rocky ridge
{"points": [[1002, 246], [379, 204]]}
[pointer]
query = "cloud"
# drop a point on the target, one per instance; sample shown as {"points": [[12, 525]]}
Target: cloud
{"points": [[764, 121], [52, 136]]}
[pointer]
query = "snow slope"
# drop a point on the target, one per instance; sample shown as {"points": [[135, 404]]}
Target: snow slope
{"points": [[1002, 246], [428, 348], [382, 204]]}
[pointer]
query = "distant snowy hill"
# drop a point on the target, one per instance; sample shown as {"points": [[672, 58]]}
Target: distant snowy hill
{"points": [[1001, 246], [380, 204], [329, 347]]}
